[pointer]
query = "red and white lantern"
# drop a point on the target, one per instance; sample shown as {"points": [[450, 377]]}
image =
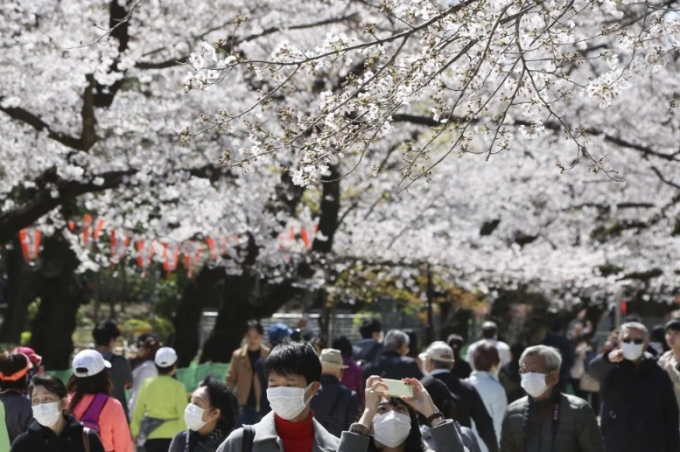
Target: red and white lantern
{"points": [[30, 243]]}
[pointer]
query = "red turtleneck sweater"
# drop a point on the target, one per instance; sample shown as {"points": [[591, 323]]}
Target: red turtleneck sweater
{"points": [[296, 436]]}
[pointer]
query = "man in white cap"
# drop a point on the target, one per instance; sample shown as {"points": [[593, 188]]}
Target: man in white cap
{"points": [[335, 406], [159, 410], [438, 363]]}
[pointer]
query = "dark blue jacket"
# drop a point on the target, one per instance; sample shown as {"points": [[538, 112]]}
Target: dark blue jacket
{"points": [[335, 406], [639, 412], [391, 364]]}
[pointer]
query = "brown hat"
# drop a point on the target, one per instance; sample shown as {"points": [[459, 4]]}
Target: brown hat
{"points": [[332, 357]]}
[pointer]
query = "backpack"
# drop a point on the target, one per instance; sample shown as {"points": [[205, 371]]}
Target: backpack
{"points": [[248, 437], [91, 417]]}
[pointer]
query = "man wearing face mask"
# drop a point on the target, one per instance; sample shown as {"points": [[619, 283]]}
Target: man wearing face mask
{"points": [[293, 374], [639, 411], [547, 420]]}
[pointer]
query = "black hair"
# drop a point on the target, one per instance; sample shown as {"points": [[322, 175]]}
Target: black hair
{"points": [[413, 349], [490, 331], [556, 326], [343, 344], [165, 370], [414, 440], [370, 326], [224, 400], [10, 364], [294, 358], [516, 350], [52, 384], [99, 383], [255, 325], [104, 332], [319, 342], [456, 343]]}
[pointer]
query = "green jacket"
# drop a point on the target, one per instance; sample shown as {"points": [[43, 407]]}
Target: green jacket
{"points": [[577, 429], [161, 397], [4, 436]]}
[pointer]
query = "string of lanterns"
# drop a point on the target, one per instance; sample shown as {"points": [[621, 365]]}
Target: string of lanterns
{"points": [[193, 252]]}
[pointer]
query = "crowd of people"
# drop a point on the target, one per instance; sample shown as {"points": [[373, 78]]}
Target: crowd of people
{"points": [[300, 393]]}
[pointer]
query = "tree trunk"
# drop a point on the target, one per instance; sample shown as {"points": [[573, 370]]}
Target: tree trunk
{"points": [[188, 316], [237, 309], [21, 290], [61, 295]]}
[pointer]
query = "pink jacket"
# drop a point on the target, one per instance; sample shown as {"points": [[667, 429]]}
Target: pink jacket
{"points": [[113, 427]]}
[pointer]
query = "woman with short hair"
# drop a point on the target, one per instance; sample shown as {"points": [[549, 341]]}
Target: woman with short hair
{"points": [[54, 430]]}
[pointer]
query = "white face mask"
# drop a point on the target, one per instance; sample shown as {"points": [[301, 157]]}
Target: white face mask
{"points": [[193, 417], [534, 384], [287, 402], [632, 351], [391, 429], [46, 414]]}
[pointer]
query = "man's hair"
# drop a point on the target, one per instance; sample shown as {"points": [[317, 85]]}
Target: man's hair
{"points": [[255, 325], [552, 357], [165, 370], [370, 326], [485, 357], [104, 332], [294, 358], [395, 340], [489, 330], [634, 326]]}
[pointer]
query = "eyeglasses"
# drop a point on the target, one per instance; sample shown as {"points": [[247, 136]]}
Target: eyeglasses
{"points": [[636, 341]]}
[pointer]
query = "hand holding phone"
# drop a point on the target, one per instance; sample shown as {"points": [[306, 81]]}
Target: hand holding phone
{"points": [[397, 388]]}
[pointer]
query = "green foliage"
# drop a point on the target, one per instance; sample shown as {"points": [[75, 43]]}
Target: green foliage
{"points": [[161, 326], [25, 338]]}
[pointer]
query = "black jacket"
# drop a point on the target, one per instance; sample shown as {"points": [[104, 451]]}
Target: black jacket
{"points": [[39, 438], [565, 348], [392, 365], [639, 411], [18, 413], [197, 442], [469, 406], [335, 406]]}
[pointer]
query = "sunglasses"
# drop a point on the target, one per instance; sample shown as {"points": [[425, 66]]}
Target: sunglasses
{"points": [[636, 341]]}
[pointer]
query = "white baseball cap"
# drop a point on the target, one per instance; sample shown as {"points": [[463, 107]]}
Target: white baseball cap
{"points": [[165, 357], [440, 351], [89, 362]]}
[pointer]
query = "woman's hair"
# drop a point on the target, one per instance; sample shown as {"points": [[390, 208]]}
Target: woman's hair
{"points": [[11, 366], [414, 440], [99, 383], [151, 345], [485, 357], [50, 383], [456, 342], [223, 399]]}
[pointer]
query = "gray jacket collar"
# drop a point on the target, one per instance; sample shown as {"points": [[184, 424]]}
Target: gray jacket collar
{"points": [[323, 441]]}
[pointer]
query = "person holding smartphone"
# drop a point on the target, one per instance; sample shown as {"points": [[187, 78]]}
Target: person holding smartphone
{"points": [[391, 423]]}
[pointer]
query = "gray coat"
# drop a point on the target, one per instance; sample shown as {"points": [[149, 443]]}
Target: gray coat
{"points": [[446, 439], [577, 429], [267, 440]]}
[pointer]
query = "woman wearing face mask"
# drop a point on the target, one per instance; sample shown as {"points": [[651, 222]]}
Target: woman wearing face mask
{"points": [[210, 417], [389, 424], [54, 430]]}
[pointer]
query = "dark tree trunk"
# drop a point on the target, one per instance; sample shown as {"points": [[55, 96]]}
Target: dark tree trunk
{"points": [[61, 295], [187, 319], [238, 308], [21, 291]]}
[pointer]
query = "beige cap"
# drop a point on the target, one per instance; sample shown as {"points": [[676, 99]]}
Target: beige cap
{"points": [[440, 351], [332, 357]]}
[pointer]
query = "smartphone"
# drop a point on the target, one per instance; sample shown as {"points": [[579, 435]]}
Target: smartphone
{"points": [[397, 388]]}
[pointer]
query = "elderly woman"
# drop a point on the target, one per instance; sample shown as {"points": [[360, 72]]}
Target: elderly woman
{"points": [[485, 380], [546, 419], [391, 424]]}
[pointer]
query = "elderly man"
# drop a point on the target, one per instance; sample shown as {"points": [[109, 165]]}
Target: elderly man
{"points": [[490, 336], [639, 411], [393, 362], [547, 420]]}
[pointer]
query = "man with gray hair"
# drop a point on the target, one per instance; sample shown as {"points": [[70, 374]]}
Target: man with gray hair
{"points": [[639, 412], [393, 362], [547, 420]]}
